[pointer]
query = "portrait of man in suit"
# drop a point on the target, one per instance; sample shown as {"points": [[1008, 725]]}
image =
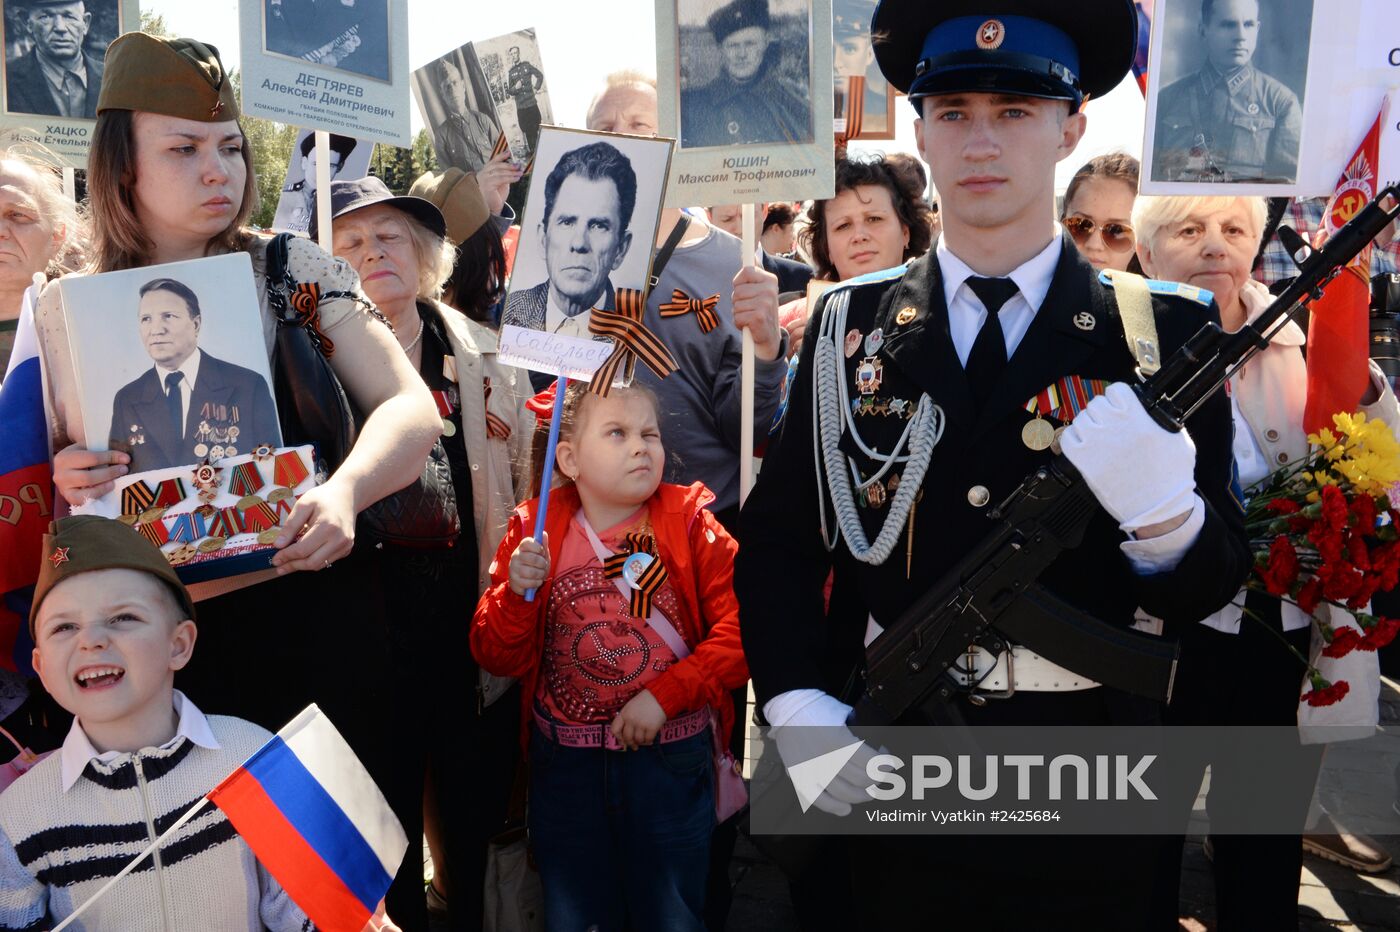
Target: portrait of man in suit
{"points": [[57, 76], [584, 236], [190, 404]]}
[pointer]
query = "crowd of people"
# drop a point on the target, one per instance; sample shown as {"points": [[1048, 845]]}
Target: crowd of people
{"points": [[592, 684]]}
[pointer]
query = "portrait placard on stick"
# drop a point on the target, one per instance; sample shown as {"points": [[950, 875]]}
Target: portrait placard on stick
{"points": [[54, 51], [854, 57], [348, 160], [585, 243], [746, 87], [515, 72], [454, 97], [339, 67]]}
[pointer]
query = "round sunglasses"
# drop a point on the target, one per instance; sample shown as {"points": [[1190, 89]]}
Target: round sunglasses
{"points": [[1117, 237]]}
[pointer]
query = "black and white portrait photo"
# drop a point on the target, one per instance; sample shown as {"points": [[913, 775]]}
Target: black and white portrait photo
{"points": [[745, 72], [349, 160], [1229, 90], [515, 72], [349, 35], [854, 56], [455, 99], [53, 55], [171, 363], [590, 219]]}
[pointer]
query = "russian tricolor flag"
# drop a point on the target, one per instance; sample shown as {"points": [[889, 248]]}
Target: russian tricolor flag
{"points": [[316, 820], [26, 489]]}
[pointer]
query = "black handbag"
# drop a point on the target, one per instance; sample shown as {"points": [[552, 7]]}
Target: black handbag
{"points": [[313, 408]]}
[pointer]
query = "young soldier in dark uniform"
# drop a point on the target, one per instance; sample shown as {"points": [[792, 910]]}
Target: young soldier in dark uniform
{"points": [[523, 82], [949, 353]]}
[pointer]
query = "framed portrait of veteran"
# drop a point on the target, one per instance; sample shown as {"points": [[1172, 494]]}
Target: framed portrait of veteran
{"points": [[1228, 96], [335, 65], [514, 71], [54, 51], [585, 245], [854, 57], [349, 160], [746, 87], [454, 97]]}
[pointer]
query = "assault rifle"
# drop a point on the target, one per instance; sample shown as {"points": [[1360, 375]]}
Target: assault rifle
{"points": [[992, 595]]}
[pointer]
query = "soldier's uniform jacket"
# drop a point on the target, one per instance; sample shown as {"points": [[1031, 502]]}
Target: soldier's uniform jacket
{"points": [[1244, 126], [783, 562], [520, 81], [727, 112]]}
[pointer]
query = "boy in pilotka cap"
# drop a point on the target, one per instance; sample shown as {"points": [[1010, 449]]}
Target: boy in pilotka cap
{"points": [[112, 623]]}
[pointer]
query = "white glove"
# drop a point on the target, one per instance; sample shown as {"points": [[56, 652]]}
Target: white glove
{"points": [[1140, 473], [815, 728]]}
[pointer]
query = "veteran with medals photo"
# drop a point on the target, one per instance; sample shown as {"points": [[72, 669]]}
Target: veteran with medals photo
{"points": [[982, 362]]}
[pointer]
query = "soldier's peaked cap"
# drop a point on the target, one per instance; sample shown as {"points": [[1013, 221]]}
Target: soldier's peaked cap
{"points": [[741, 14], [1036, 48]]}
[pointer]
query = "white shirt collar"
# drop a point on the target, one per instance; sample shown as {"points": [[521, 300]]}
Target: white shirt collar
{"points": [[1032, 277], [189, 368], [77, 750]]}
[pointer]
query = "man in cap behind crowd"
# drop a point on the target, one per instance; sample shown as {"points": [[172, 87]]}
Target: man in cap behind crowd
{"points": [[748, 102], [1229, 121], [57, 76], [340, 149], [1004, 309]]}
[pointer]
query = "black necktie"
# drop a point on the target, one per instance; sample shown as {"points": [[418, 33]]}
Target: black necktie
{"points": [[175, 404], [987, 360]]}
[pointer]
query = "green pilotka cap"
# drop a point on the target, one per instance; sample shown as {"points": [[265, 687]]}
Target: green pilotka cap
{"points": [[83, 543], [176, 77]]}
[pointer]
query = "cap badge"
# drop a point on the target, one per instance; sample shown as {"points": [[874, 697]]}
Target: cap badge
{"points": [[991, 34], [217, 108], [59, 556], [1084, 320]]}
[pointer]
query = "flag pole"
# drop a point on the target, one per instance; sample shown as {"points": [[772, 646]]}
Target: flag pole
{"points": [[746, 367], [323, 189], [189, 814], [547, 469]]}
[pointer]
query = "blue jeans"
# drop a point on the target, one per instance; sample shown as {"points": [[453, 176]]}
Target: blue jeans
{"points": [[622, 839]]}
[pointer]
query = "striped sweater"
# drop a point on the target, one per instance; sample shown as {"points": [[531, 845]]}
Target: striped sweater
{"points": [[58, 848]]}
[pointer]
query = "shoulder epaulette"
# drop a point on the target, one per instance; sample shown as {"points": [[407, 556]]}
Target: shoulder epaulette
{"points": [[1201, 296]]}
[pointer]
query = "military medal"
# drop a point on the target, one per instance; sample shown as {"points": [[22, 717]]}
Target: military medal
{"points": [[259, 517], [249, 501], [640, 568], [136, 498], [180, 554], [169, 492], [634, 567], [852, 342], [445, 409], [269, 537], [245, 479], [233, 431], [155, 532], [262, 452], [216, 452], [128, 520], [288, 470], [1055, 443], [230, 451], [874, 341], [495, 425], [868, 374], [905, 315], [151, 514], [1038, 434], [206, 511], [279, 495], [211, 544], [201, 449], [875, 495]]}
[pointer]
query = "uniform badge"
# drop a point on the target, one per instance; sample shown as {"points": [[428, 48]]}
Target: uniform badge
{"points": [[1038, 434], [262, 452], [1084, 320], [1253, 108], [216, 452], [991, 34], [852, 342], [868, 375], [59, 556], [201, 449], [230, 451], [905, 315], [874, 341], [733, 127], [875, 495]]}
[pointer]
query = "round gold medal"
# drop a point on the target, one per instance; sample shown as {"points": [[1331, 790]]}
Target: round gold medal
{"points": [[1038, 434], [268, 537], [180, 554], [248, 501], [211, 544], [128, 520], [1055, 443], [277, 495], [151, 514], [448, 428]]}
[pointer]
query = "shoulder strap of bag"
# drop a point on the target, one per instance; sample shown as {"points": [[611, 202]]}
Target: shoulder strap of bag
{"points": [[663, 255], [656, 620], [1139, 326]]}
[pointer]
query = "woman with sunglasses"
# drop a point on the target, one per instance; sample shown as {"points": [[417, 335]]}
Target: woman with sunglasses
{"points": [[1097, 207]]}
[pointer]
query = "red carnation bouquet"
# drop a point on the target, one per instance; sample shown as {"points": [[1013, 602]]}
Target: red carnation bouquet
{"points": [[1323, 531]]}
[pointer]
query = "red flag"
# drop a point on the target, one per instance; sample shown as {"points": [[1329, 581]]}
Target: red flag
{"points": [[1337, 334]]}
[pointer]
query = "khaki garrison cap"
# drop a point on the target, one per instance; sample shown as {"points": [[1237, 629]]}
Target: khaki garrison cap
{"points": [[458, 196], [176, 77], [83, 543]]}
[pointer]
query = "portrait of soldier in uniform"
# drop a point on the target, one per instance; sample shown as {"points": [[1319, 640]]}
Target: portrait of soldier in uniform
{"points": [[189, 404], [745, 75], [298, 200], [854, 56], [584, 236], [457, 107], [60, 74], [1229, 121], [351, 35], [524, 81]]}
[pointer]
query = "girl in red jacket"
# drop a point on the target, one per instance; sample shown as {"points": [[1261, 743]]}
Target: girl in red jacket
{"points": [[626, 656]]}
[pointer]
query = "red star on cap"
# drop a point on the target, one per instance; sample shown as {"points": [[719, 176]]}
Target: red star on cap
{"points": [[59, 556]]}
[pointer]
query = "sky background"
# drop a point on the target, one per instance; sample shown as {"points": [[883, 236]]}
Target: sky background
{"points": [[580, 48]]}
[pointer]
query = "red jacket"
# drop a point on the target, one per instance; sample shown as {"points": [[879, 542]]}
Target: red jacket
{"points": [[507, 634]]}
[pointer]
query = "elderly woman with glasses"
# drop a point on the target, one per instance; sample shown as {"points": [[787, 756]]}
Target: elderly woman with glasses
{"points": [[1235, 671]]}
